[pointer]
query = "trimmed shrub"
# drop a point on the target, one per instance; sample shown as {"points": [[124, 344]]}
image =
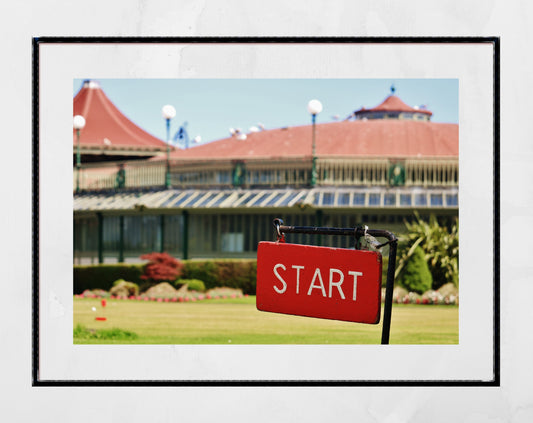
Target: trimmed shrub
{"points": [[192, 284], [416, 276], [122, 288], [102, 276]]}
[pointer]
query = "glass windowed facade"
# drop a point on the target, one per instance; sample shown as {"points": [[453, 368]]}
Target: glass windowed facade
{"points": [[230, 223], [226, 234]]}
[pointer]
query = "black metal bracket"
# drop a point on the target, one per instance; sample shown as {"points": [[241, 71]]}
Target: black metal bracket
{"points": [[357, 232]]}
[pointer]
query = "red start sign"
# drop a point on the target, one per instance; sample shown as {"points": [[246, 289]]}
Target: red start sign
{"points": [[329, 283]]}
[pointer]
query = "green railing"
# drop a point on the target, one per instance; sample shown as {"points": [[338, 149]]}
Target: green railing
{"points": [[121, 175], [268, 174]]}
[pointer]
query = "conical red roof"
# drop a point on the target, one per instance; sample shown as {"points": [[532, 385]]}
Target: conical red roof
{"points": [[394, 104], [106, 127]]}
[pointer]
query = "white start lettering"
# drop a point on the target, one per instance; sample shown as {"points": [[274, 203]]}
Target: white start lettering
{"points": [[280, 290], [316, 283]]}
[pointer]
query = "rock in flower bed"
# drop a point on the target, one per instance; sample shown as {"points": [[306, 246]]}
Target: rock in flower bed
{"points": [[161, 290], [164, 292]]}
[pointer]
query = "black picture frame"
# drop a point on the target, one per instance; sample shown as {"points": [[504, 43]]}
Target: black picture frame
{"points": [[36, 223]]}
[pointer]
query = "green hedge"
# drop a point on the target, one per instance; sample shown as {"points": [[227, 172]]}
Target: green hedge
{"points": [[102, 276], [233, 273]]}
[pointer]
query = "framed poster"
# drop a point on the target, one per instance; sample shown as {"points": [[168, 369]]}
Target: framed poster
{"points": [[471, 62]]}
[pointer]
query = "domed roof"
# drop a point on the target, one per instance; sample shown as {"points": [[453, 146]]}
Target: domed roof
{"points": [[348, 139]]}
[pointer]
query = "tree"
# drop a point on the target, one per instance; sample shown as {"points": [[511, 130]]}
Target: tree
{"points": [[440, 246], [161, 268]]}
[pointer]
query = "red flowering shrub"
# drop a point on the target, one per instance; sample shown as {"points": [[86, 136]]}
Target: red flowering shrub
{"points": [[161, 267]]}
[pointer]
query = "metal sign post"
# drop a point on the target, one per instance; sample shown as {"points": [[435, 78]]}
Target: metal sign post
{"points": [[310, 266]]}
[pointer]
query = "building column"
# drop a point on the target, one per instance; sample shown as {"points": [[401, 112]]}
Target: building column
{"points": [[162, 233], [100, 237], [77, 242], [185, 234], [121, 239], [319, 218]]}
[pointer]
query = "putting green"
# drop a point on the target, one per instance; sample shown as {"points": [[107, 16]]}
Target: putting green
{"points": [[237, 321]]}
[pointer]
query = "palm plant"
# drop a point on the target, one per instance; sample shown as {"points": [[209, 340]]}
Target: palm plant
{"points": [[440, 246]]}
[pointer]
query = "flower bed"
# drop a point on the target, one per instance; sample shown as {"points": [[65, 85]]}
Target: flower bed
{"points": [[189, 296], [401, 296]]}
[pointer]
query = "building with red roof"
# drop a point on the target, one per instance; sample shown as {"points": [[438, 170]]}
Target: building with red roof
{"points": [[108, 135], [377, 168], [401, 139]]}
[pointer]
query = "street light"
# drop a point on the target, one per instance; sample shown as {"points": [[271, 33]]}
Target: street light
{"points": [[78, 123], [314, 107], [168, 113]]}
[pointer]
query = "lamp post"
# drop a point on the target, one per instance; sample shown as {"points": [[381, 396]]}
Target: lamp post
{"points": [[168, 113], [78, 123], [314, 107]]}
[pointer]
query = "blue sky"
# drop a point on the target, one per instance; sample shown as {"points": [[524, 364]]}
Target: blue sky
{"points": [[212, 106]]}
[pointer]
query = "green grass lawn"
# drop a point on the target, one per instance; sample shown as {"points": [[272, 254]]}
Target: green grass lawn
{"points": [[237, 321]]}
